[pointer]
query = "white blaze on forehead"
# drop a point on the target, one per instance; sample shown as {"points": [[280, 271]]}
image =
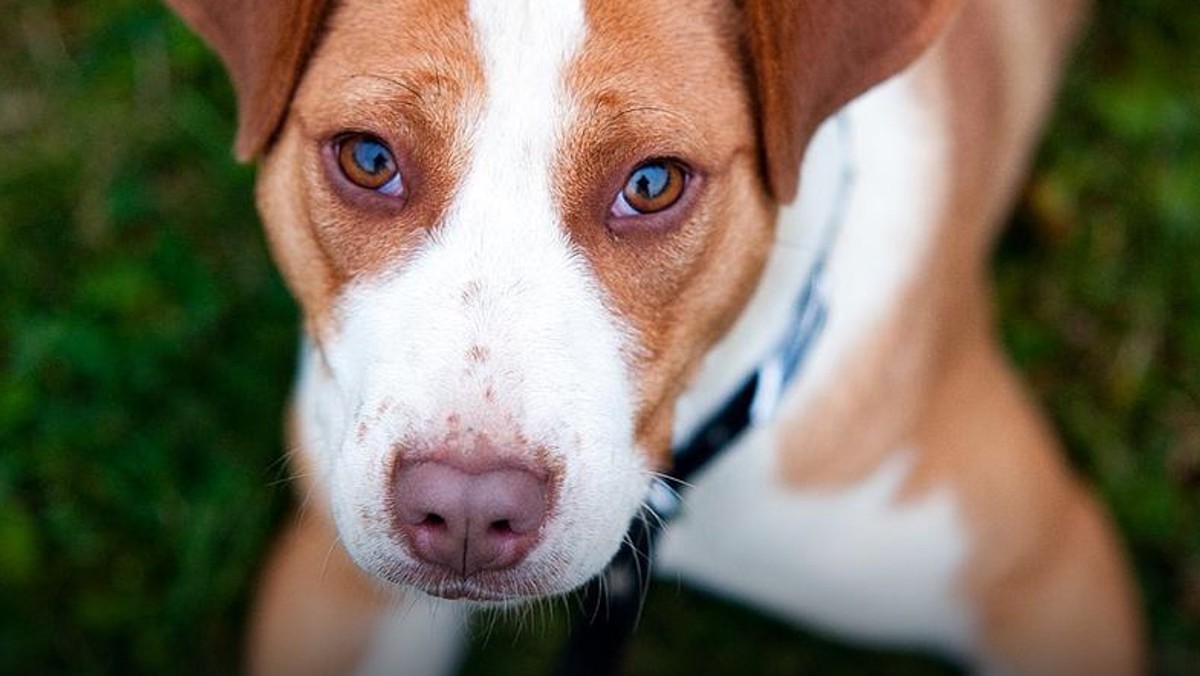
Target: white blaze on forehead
{"points": [[496, 327], [505, 207], [525, 48]]}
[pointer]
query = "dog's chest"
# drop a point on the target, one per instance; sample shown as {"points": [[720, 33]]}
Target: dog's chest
{"points": [[815, 557]]}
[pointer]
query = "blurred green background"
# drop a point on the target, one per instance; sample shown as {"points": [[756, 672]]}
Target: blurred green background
{"points": [[146, 346]]}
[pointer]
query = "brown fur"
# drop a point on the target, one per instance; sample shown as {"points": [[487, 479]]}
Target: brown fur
{"points": [[332, 608]]}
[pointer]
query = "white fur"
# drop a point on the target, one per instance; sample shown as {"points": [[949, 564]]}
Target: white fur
{"points": [[501, 275], [855, 561]]}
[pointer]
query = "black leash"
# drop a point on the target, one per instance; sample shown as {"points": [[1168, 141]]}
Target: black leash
{"points": [[612, 602]]}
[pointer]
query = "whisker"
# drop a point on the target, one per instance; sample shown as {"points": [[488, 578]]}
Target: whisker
{"points": [[671, 481], [337, 540]]}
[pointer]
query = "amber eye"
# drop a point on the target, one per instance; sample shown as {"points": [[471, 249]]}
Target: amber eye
{"points": [[651, 187], [368, 163]]}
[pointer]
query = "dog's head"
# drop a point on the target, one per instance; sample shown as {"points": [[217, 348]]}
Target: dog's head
{"points": [[514, 231]]}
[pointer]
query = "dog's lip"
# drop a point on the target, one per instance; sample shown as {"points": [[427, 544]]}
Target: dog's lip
{"points": [[465, 591]]}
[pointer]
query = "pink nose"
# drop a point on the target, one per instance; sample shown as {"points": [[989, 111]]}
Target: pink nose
{"points": [[470, 521]]}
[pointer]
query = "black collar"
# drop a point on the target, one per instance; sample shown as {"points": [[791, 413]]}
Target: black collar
{"points": [[611, 603]]}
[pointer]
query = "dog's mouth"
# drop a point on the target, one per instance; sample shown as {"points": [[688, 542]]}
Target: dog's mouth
{"points": [[486, 588]]}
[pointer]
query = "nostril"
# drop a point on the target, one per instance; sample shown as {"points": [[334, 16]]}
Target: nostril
{"points": [[501, 527], [433, 521]]}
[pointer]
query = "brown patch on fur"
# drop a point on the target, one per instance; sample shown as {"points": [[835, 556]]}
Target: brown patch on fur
{"points": [[680, 283], [478, 354], [369, 421], [381, 73], [384, 406], [881, 387]]}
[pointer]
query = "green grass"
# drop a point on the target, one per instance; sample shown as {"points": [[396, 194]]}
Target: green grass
{"points": [[146, 345]]}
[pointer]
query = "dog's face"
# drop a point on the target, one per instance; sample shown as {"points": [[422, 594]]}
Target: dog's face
{"points": [[515, 230], [513, 235]]}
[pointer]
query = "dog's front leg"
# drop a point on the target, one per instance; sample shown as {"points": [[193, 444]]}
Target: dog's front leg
{"points": [[317, 614]]}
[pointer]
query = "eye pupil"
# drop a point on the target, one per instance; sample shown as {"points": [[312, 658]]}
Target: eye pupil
{"points": [[371, 157], [651, 180], [368, 163], [654, 186]]}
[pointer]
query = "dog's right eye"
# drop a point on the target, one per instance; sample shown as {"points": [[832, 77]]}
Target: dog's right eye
{"points": [[368, 163]]}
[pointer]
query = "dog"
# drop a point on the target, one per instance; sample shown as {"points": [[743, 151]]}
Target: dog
{"points": [[538, 244]]}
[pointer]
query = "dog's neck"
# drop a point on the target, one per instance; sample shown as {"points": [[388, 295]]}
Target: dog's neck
{"points": [[806, 232], [888, 140]]}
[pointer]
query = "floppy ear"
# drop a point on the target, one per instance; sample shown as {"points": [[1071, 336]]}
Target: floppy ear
{"points": [[264, 45], [810, 57]]}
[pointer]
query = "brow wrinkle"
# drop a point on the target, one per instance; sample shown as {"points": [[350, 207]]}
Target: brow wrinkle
{"points": [[658, 110], [397, 83], [430, 86]]}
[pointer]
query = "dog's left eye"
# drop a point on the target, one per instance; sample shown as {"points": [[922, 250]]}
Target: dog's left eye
{"points": [[652, 186], [368, 163]]}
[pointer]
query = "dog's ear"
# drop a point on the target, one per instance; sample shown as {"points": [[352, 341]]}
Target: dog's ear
{"points": [[810, 57], [264, 45]]}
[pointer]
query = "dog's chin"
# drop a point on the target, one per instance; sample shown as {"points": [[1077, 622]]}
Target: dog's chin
{"points": [[505, 588]]}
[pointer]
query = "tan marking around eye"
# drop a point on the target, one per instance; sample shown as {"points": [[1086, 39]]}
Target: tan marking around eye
{"points": [[388, 74], [638, 97]]}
